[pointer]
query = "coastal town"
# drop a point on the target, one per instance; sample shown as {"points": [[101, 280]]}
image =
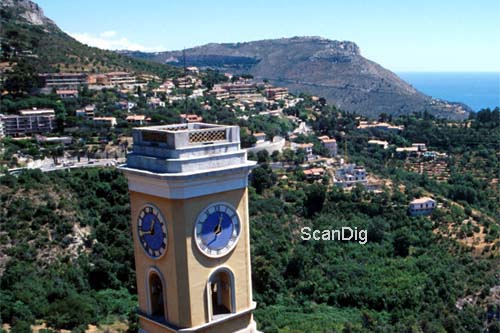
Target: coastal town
{"points": [[139, 99]]}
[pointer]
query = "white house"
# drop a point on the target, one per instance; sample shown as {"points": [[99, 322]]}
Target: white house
{"points": [[307, 148], [105, 121], [138, 119], [302, 129], [349, 175], [419, 146], [276, 144], [67, 93], [87, 112], [259, 137], [156, 102], [422, 206], [380, 143]]}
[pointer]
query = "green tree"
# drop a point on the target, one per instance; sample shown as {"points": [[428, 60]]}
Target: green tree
{"points": [[315, 198], [22, 79], [262, 178]]}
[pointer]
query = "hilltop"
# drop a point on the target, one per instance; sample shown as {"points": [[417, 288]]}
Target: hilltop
{"points": [[333, 69], [28, 35]]}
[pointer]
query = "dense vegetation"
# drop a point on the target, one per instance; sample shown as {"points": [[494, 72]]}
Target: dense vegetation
{"points": [[48, 276], [405, 278], [409, 277]]}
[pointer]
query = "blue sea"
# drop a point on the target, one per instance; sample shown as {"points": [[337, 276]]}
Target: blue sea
{"points": [[477, 90]]}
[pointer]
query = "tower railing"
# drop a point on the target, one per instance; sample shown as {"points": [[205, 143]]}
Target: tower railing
{"points": [[185, 135]]}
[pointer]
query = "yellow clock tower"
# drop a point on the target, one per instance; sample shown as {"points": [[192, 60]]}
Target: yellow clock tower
{"points": [[188, 194]]}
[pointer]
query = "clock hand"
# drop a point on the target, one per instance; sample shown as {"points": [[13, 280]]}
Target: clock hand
{"points": [[152, 228], [218, 228], [142, 232], [213, 240]]}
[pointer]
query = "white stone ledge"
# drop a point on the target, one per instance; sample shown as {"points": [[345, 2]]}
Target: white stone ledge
{"points": [[188, 184]]}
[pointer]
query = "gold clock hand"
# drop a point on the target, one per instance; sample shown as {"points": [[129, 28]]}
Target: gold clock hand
{"points": [[152, 228], [142, 232], [218, 228]]}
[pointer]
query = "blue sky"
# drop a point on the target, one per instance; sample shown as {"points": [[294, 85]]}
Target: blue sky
{"points": [[424, 35]]}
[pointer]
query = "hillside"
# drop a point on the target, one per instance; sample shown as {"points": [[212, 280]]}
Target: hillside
{"points": [[335, 70], [66, 252], [26, 34]]}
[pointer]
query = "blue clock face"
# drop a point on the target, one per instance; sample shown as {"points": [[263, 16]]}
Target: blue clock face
{"points": [[152, 231], [217, 230]]}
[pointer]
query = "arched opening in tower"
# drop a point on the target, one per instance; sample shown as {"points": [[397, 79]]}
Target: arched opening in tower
{"points": [[221, 288], [156, 297]]}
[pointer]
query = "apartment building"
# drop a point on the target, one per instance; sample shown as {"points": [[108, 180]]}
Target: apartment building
{"points": [[64, 80], [120, 78], [239, 88], [276, 93], [28, 122]]}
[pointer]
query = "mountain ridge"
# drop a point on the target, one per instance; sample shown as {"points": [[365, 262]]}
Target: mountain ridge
{"points": [[333, 69]]}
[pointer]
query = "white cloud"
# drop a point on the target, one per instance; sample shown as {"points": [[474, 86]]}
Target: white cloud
{"points": [[110, 40], [108, 34]]}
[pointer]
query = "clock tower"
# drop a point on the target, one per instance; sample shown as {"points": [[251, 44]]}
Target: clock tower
{"points": [[189, 203]]}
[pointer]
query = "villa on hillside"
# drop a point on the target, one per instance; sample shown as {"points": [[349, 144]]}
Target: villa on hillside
{"points": [[307, 147], [314, 173], [364, 125], [88, 111], [378, 143], [261, 143], [138, 119], [422, 206], [349, 175], [191, 118], [105, 121], [67, 93], [329, 144], [219, 93], [276, 93]]}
